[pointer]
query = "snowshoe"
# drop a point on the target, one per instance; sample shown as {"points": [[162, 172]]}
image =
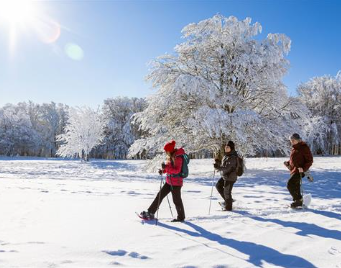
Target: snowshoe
{"points": [[222, 204], [177, 220], [307, 200], [147, 216], [224, 207], [297, 204]]}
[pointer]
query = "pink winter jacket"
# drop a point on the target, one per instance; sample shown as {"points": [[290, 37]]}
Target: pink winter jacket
{"points": [[174, 170]]}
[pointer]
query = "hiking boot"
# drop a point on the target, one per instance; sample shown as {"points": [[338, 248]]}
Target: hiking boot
{"points": [[178, 220], [147, 215], [228, 206], [297, 203]]}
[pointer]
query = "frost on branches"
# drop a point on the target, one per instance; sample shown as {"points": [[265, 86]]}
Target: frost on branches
{"points": [[83, 132], [322, 96], [221, 83], [119, 132]]}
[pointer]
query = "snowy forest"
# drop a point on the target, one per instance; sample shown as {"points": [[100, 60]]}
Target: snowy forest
{"points": [[223, 82]]}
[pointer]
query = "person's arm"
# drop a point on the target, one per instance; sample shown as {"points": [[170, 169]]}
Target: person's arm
{"points": [[230, 167], [176, 169], [308, 158], [286, 163]]}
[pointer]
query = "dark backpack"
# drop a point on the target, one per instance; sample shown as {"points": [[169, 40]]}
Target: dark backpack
{"points": [[184, 168], [240, 166]]}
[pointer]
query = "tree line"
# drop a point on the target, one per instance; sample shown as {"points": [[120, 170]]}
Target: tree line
{"points": [[223, 82]]}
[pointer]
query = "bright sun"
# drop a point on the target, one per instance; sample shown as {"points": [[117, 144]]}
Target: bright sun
{"points": [[17, 11], [25, 16]]}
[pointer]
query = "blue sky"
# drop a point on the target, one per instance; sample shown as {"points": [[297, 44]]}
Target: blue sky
{"points": [[119, 38]]}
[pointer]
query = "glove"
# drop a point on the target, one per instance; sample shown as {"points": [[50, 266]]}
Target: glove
{"points": [[160, 171], [286, 163], [217, 161], [163, 165], [216, 166], [309, 177]]}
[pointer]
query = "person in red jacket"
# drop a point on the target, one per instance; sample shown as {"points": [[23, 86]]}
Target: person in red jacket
{"points": [[300, 161], [173, 184]]}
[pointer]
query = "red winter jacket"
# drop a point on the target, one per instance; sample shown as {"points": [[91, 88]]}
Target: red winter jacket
{"points": [[175, 169], [300, 157]]}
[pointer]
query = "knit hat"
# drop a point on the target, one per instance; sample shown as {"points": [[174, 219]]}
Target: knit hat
{"points": [[169, 147], [231, 145], [295, 136]]}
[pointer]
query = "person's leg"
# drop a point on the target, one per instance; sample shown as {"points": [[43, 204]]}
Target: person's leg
{"points": [[159, 197], [220, 187], [176, 194], [228, 194], [294, 186]]}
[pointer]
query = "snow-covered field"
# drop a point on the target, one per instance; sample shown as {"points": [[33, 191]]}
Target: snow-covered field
{"points": [[57, 213]]}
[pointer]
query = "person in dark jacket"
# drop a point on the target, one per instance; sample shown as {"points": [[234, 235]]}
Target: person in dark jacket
{"points": [[227, 169], [173, 184], [300, 161]]}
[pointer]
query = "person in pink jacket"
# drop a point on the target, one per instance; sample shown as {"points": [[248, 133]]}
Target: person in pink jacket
{"points": [[172, 167]]}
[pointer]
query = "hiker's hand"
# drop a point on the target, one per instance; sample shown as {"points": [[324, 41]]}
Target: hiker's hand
{"points": [[160, 171], [286, 163], [300, 170], [310, 178], [163, 165], [216, 166]]}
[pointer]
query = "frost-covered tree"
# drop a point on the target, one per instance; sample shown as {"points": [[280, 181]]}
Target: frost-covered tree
{"points": [[84, 131], [119, 132], [17, 136], [222, 83], [48, 119], [322, 96], [31, 129]]}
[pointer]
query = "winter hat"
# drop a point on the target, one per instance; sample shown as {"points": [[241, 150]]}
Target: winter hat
{"points": [[169, 147], [231, 145], [295, 136]]}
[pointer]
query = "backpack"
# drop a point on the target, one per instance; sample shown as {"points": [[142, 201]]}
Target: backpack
{"points": [[240, 166], [184, 168]]}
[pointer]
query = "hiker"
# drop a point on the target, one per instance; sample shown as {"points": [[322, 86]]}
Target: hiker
{"points": [[172, 167], [227, 168], [300, 161]]}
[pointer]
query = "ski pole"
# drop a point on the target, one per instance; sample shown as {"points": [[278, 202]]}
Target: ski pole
{"points": [[170, 208], [158, 204], [209, 210], [301, 184]]}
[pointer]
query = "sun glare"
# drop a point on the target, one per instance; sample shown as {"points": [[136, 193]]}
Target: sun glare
{"points": [[17, 11], [25, 16]]}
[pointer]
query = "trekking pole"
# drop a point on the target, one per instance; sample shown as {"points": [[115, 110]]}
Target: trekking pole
{"points": [[301, 184], [158, 204], [170, 208], [209, 210]]}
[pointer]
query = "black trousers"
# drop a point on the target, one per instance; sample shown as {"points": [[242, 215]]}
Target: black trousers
{"points": [[294, 186], [225, 190], [176, 194]]}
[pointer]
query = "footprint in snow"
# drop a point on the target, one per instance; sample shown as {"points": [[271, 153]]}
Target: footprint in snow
{"points": [[334, 251], [121, 252], [137, 255]]}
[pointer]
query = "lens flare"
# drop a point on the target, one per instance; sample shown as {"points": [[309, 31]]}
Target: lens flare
{"points": [[25, 16], [74, 51], [47, 30]]}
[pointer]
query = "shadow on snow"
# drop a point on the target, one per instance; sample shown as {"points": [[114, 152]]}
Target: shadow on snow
{"points": [[256, 252], [306, 229]]}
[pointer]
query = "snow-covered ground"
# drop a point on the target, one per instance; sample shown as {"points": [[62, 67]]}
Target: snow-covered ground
{"points": [[57, 213]]}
